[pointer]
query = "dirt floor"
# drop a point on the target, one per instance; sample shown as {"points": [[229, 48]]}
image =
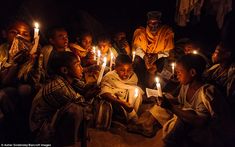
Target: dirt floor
{"points": [[121, 138]]}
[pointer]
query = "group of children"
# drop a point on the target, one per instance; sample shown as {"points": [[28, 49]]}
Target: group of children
{"points": [[53, 87]]}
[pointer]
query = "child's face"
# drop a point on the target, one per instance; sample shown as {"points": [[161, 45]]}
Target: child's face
{"points": [[86, 42], [184, 76], [20, 28], [104, 46], [124, 71], [60, 39], [76, 69]]}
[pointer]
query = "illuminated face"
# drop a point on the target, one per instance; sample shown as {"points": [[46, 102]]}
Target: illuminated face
{"points": [[153, 25], [86, 42], [184, 76], [60, 40], [20, 28], [76, 69], [104, 46], [124, 71]]}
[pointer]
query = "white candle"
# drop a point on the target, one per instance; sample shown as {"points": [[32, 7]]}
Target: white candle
{"points": [[98, 58], [36, 29], [136, 93], [133, 56], [101, 71], [173, 67], [159, 89], [111, 60], [94, 52]]}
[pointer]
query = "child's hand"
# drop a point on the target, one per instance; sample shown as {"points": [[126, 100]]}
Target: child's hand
{"points": [[127, 107], [164, 103]]}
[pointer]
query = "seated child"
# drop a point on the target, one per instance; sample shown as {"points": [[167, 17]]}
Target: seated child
{"points": [[56, 114], [120, 87], [198, 113]]}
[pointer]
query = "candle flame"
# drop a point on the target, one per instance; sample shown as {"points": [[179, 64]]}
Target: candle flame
{"points": [[36, 25], [195, 52], [173, 64], [111, 55], [105, 60], [99, 53], [157, 79], [94, 49]]}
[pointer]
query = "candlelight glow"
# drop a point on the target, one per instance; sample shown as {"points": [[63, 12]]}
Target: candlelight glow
{"points": [[36, 25], [98, 58], [94, 51], [136, 92], [157, 80], [159, 89], [133, 55], [105, 61], [195, 52], [173, 67]]}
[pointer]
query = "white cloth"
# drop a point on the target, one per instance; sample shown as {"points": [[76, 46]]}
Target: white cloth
{"points": [[124, 89], [207, 102]]}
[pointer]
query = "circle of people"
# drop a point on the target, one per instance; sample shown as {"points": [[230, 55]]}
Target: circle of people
{"points": [[63, 84]]}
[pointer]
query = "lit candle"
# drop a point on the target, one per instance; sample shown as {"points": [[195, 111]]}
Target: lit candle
{"points": [[94, 51], [173, 67], [159, 89], [111, 60], [36, 29], [194, 52], [133, 56], [136, 93], [101, 71], [98, 58]]}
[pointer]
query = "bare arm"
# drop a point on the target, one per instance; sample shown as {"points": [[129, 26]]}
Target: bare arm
{"points": [[189, 116]]}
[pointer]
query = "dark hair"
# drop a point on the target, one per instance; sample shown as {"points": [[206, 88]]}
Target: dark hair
{"points": [[104, 38], [122, 59], [12, 23], [193, 61], [62, 59], [51, 32]]}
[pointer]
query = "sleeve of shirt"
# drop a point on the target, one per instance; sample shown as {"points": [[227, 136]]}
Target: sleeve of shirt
{"points": [[140, 52]]}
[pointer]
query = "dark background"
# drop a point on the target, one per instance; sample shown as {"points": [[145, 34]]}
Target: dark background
{"points": [[100, 16]]}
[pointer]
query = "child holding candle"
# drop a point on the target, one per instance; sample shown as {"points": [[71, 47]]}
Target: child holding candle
{"points": [[120, 88], [105, 47], [198, 104]]}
